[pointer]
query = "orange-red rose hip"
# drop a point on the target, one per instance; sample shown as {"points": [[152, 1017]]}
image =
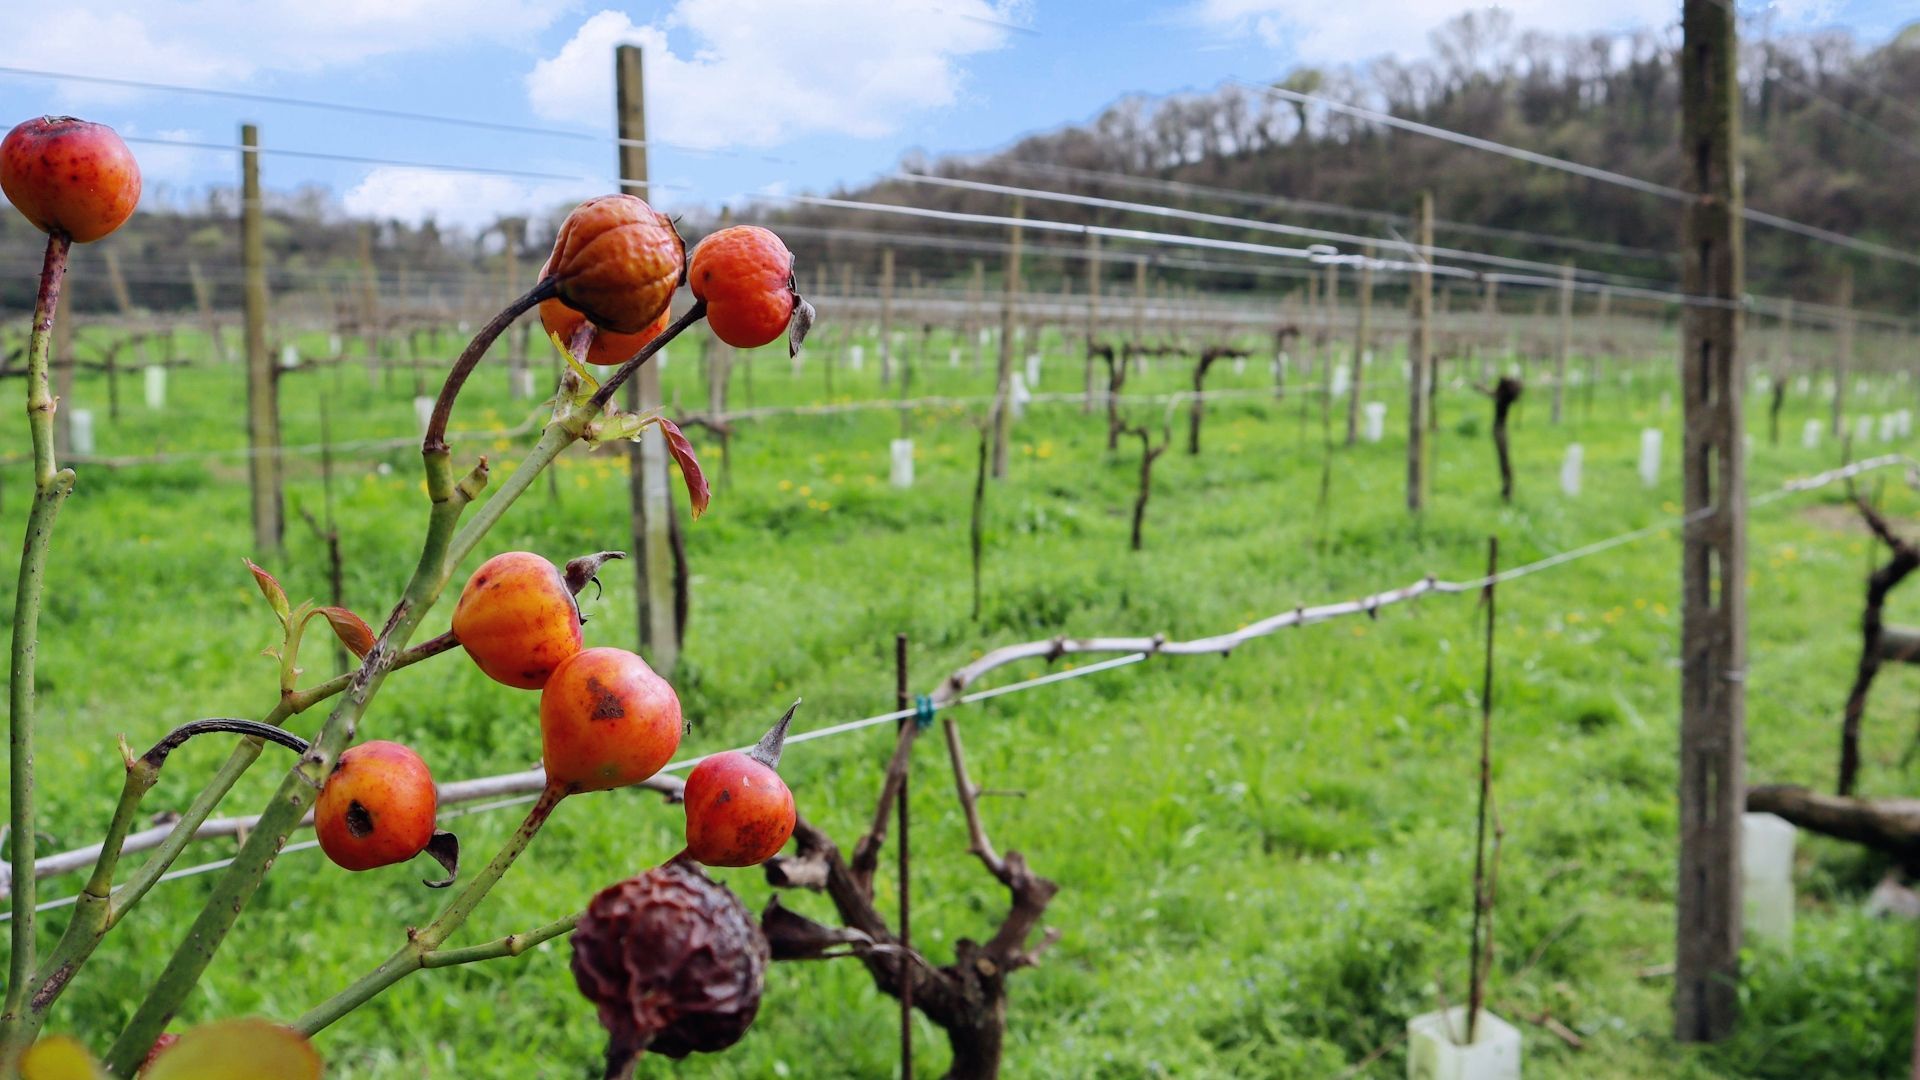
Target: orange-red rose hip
{"points": [[377, 808], [607, 349], [617, 261], [745, 274], [739, 811], [517, 619], [69, 177], [606, 721]]}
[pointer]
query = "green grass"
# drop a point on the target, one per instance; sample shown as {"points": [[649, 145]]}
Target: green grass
{"points": [[1263, 859]]}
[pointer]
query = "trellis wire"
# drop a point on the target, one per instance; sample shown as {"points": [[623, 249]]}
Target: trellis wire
{"points": [[526, 785]]}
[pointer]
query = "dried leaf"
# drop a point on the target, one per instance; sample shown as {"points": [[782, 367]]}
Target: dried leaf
{"points": [[698, 493], [352, 630], [576, 363], [269, 588], [799, 326], [238, 1050], [445, 849]]}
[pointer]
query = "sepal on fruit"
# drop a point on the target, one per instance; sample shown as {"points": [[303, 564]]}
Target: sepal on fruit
{"points": [[767, 750], [444, 848], [800, 325]]}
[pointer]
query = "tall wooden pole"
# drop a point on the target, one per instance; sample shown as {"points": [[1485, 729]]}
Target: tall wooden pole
{"points": [[1358, 366], [510, 233], [976, 311], [263, 406], [1309, 335], [1329, 305], [886, 316], [1420, 354], [1565, 345], [1490, 320], [1093, 316], [647, 458], [1003, 381], [1843, 352], [1713, 617], [1139, 301]]}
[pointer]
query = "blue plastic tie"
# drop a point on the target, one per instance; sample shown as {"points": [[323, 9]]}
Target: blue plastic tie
{"points": [[923, 711]]}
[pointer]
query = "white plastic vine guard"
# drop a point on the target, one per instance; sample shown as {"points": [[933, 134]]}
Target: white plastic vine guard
{"points": [[1810, 435], [901, 475], [1432, 1053], [80, 430], [1033, 370], [1650, 456], [857, 359], [1376, 412], [289, 357], [156, 377], [423, 412], [1570, 470], [523, 383], [1766, 878]]}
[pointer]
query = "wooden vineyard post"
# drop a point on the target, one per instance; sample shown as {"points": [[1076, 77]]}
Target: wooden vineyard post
{"points": [[122, 299], [1139, 302], [203, 300], [65, 366], [1843, 352], [886, 316], [1093, 316], [1329, 302], [263, 404], [510, 233], [1420, 354], [1600, 338], [1358, 365], [1003, 380], [1309, 334], [646, 457], [1565, 344], [1490, 320], [976, 312], [1713, 622]]}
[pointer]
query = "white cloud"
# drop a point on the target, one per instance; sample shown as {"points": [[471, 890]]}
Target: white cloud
{"points": [[760, 72], [1320, 33], [454, 200], [220, 42]]}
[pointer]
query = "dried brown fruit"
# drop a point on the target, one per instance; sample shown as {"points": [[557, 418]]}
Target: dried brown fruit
{"points": [[617, 261], [674, 962]]}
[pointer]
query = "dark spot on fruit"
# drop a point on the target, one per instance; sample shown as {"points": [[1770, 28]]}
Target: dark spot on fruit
{"points": [[606, 702], [359, 819], [725, 797], [481, 580]]}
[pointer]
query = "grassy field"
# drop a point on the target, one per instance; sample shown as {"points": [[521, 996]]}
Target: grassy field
{"points": [[1264, 859]]}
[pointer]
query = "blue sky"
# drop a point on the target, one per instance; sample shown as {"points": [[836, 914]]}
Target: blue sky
{"points": [[786, 95]]}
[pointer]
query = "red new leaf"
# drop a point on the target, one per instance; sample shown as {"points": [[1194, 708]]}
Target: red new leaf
{"points": [[269, 588], [353, 631], [697, 491]]}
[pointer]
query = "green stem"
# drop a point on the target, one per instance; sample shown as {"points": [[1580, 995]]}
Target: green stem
{"points": [[94, 918], [499, 948], [441, 552], [421, 945], [51, 488], [302, 784]]}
